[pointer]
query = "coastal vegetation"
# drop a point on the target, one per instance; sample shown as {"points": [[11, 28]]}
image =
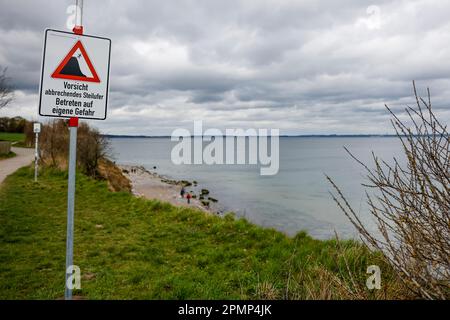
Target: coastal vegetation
{"points": [[92, 153], [54, 142], [132, 248], [411, 203]]}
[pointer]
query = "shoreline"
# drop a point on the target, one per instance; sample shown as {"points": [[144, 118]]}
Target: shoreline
{"points": [[153, 186]]}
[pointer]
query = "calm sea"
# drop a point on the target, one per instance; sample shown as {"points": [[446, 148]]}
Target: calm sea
{"points": [[295, 199]]}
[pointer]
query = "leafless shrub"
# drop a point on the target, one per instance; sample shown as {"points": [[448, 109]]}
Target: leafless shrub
{"points": [[29, 134], [54, 140], [411, 204], [92, 147], [6, 92], [54, 143]]}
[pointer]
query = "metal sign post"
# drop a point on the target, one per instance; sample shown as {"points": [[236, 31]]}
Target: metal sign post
{"points": [[36, 129], [73, 130], [73, 127], [75, 85]]}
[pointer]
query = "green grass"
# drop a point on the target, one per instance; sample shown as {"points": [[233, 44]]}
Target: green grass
{"points": [[8, 136], [131, 248], [8, 155]]}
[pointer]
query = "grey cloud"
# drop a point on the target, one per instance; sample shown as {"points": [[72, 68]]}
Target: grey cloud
{"points": [[296, 65]]}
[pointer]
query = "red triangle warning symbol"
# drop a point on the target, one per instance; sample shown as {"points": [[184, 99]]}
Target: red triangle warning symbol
{"points": [[70, 69]]}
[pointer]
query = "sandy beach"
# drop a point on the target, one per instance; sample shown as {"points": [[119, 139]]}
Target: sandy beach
{"points": [[150, 185]]}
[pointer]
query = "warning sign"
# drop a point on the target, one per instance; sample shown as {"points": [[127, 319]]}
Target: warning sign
{"points": [[70, 68], [75, 76]]}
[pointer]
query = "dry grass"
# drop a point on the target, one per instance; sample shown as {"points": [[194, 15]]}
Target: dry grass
{"points": [[346, 282]]}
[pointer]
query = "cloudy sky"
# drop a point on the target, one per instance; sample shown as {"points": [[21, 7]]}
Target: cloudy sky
{"points": [[305, 67]]}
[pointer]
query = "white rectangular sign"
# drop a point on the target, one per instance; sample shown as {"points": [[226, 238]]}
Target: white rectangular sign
{"points": [[37, 127], [75, 76]]}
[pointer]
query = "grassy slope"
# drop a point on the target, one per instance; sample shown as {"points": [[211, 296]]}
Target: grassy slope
{"points": [[130, 248], [7, 155], [7, 136]]}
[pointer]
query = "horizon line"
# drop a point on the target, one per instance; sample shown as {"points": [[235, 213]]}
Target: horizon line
{"points": [[283, 136]]}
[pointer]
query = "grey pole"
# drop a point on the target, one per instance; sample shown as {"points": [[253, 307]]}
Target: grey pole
{"points": [[80, 3], [71, 203], [36, 157], [73, 127]]}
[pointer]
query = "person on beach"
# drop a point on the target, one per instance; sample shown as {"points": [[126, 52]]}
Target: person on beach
{"points": [[182, 192], [189, 198]]}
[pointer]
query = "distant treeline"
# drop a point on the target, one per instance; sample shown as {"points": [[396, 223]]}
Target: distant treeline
{"points": [[14, 125]]}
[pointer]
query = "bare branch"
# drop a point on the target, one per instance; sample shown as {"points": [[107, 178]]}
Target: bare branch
{"points": [[6, 92], [411, 203]]}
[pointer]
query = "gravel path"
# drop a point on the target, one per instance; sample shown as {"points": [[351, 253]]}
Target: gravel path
{"points": [[24, 157]]}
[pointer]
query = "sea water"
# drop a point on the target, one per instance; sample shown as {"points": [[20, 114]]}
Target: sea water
{"points": [[297, 198]]}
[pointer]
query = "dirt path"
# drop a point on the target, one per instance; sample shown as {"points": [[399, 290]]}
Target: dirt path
{"points": [[7, 166]]}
